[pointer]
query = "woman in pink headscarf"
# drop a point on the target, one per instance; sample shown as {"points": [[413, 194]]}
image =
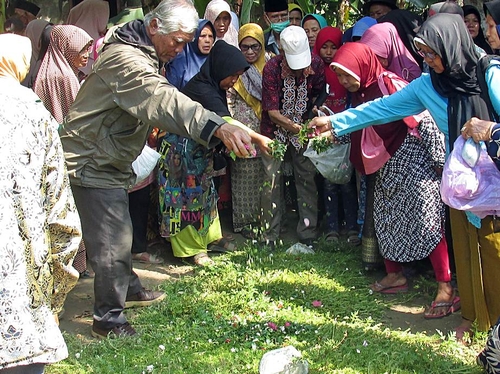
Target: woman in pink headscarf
{"points": [[219, 13], [406, 181], [57, 81], [384, 40], [57, 84]]}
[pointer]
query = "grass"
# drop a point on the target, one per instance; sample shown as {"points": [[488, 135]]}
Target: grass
{"points": [[224, 318]]}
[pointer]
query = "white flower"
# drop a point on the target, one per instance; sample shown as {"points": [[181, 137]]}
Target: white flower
{"points": [[358, 351], [149, 368], [233, 349], [77, 355], [161, 347]]}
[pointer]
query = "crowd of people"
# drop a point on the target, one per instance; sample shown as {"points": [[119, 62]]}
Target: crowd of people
{"points": [[224, 107]]}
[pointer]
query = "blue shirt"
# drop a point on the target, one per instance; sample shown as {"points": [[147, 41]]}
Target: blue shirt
{"points": [[416, 97]]}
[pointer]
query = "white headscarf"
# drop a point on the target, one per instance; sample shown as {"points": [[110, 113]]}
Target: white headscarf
{"points": [[213, 10]]}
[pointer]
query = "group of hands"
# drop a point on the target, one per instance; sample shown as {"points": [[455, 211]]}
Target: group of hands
{"points": [[241, 141]]}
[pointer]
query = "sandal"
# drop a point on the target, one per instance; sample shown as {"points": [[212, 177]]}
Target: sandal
{"points": [[332, 236], [388, 290], [228, 237], [249, 233], [447, 309], [202, 259], [222, 245], [353, 238], [146, 258]]}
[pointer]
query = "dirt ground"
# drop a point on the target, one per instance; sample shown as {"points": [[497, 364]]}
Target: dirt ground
{"points": [[77, 318]]}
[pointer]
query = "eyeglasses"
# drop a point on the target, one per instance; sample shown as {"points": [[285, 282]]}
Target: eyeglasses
{"points": [[429, 55], [278, 17], [254, 47]]}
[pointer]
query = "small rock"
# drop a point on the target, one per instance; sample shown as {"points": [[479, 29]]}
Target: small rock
{"points": [[287, 360], [299, 248]]}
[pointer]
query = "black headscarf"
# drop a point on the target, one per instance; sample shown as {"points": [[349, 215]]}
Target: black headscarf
{"points": [[479, 40], [447, 35], [223, 61], [406, 23]]}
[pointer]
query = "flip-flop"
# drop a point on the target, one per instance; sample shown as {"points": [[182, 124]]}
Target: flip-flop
{"points": [[389, 290], [146, 258], [451, 307]]}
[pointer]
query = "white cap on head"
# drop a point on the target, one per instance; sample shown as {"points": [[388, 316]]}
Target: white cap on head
{"points": [[296, 47]]}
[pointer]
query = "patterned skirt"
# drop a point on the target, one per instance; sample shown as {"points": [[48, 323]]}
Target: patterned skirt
{"points": [[408, 211], [247, 177]]}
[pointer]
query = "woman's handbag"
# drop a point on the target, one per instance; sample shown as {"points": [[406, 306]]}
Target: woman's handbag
{"points": [[475, 189], [145, 163]]}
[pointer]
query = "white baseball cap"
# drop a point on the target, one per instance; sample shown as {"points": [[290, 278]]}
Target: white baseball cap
{"points": [[296, 47]]}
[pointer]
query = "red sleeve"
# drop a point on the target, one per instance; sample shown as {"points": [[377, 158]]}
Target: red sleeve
{"points": [[271, 76]]}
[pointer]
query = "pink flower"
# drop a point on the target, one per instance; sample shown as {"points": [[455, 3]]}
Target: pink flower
{"points": [[317, 303], [272, 326], [287, 324]]}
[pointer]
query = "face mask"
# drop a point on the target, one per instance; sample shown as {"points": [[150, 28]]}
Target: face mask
{"points": [[279, 26]]}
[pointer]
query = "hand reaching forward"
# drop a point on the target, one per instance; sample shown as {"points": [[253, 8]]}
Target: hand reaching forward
{"points": [[239, 140], [320, 124]]}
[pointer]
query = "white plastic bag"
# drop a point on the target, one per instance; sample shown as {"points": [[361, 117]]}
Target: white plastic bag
{"points": [[333, 163], [145, 163], [474, 189]]}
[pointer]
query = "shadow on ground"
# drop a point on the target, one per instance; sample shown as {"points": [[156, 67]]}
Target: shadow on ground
{"points": [[405, 315]]}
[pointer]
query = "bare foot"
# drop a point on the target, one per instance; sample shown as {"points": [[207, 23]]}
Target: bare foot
{"points": [[202, 259], [463, 332]]}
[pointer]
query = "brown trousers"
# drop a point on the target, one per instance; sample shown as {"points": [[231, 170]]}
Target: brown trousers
{"points": [[477, 258]]}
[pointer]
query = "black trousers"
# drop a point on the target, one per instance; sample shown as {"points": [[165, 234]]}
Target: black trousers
{"points": [[107, 229], [139, 209]]}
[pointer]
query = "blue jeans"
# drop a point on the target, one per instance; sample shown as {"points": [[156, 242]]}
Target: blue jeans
{"points": [[332, 195]]}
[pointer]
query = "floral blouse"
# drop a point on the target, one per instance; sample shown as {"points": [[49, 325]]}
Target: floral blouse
{"points": [[39, 227]]}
